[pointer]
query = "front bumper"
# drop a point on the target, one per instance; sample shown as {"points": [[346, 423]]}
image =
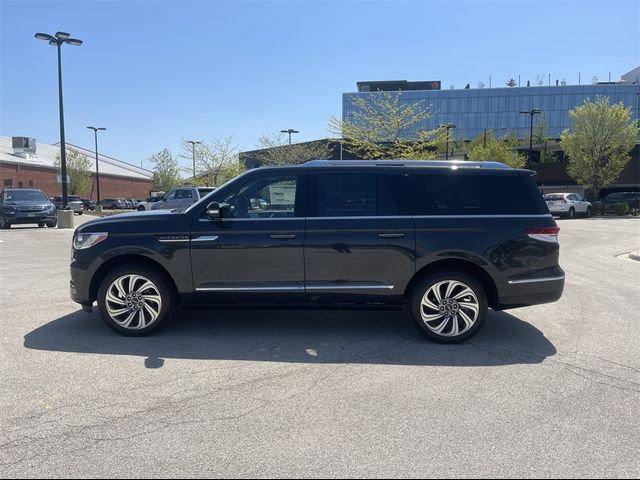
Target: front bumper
{"points": [[19, 218]]}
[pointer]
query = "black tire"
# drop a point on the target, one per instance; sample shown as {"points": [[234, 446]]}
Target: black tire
{"points": [[4, 224], [162, 286], [80, 213], [140, 208], [41, 224], [424, 288], [589, 212], [572, 213], [52, 223]]}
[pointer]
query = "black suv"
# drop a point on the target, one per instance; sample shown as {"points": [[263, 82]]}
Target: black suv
{"points": [[446, 239]]}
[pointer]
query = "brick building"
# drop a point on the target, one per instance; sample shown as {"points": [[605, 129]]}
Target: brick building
{"points": [[31, 165]]}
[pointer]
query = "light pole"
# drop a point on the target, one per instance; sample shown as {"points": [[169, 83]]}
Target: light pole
{"points": [[57, 41], [447, 126], [532, 112], [95, 132], [193, 151], [290, 131]]}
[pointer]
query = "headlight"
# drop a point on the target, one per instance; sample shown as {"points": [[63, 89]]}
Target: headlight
{"points": [[51, 208], [87, 240]]}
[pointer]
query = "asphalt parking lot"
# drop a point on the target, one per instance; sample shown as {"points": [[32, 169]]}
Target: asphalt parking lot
{"points": [[545, 391]]}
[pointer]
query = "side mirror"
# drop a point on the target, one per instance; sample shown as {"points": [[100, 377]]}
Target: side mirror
{"points": [[218, 211]]}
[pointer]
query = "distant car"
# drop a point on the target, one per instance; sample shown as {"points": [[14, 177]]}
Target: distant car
{"points": [[146, 204], [568, 204], [632, 199], [88, 204], [73, 203], [26, 205], [112, 204], [182, 197]]}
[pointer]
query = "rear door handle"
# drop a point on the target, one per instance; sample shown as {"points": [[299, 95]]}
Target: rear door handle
{"points": [[282, 236], [391, 235]]}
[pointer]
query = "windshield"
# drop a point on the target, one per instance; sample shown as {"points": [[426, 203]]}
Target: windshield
{"points": [[24, 196]]}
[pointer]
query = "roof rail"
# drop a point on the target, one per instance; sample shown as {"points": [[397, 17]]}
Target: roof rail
{"points": [[406, 163]]}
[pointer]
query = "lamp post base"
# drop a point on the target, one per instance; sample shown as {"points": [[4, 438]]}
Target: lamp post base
{"points": [[65, 218]]}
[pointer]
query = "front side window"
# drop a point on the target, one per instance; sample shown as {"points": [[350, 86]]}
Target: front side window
{"points": [[265, 197], [184, 193], [171, 195]]}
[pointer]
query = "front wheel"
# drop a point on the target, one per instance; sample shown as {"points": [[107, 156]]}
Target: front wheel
{"points": [[141, 208], [52, 223], [135, 300], [448, 306], [40, 224], [4, 224]]}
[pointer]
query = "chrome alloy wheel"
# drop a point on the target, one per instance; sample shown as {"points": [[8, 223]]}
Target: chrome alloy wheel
{"points": [[133, 302], [449, 308]]}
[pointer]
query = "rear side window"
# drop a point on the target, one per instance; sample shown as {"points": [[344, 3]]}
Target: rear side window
{"points": [[451, 194], [355, 195]]}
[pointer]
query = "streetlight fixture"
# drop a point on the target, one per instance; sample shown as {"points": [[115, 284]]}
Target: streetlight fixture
{"points": [[193, 151], [447, 126], [57, 41], [95, 131], [532, 112], [290, 131]]}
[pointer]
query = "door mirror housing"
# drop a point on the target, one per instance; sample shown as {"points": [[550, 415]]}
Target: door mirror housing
{"points": [[218, 211]]}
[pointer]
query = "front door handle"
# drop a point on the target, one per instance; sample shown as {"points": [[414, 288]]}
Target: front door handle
{"points": [[282, 236], [391, 235]]}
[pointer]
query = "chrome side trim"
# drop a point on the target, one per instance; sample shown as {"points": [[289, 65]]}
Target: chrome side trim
{"points": [[351, 287], [250, 289], [173, 240], [388, 217], [205, 238], [535, 280]]}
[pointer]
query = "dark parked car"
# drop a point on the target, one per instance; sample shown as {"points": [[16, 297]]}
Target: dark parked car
{"points": [[446, 239], [88, 204], [182, 197], [26, 205], [112, 204], [73, 203], [632, 199]]}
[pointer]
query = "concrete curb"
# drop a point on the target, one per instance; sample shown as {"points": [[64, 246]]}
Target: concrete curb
{"points": [[635, 256]]}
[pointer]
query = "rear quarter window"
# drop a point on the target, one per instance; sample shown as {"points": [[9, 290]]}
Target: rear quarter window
{"points": [[460, 194]]}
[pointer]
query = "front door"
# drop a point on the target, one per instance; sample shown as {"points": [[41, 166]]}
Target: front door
{"points": [[257, 253]]}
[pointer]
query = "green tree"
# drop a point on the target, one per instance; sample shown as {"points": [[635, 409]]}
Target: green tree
{"points": [[277, 151], [78, 171], [166, 172], [541, 137], [598, 143], [381, 125], [496, 149], [216, 160]]}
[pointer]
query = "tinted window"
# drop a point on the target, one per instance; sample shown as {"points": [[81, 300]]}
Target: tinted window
{"points": [[184, 193], [458, 194], [553, 197], [353, 195]]}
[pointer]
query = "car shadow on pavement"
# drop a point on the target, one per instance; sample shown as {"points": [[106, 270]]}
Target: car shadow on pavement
{"points": [[297, 336]]}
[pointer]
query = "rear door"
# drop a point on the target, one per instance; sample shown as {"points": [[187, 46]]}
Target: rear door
{"points": [[359, 238]]}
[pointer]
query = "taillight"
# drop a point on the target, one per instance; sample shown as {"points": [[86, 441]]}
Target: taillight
{"points": [[546, 234]]}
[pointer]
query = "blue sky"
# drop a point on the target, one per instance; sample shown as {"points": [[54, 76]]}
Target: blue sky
{"points": [[153, 72]]}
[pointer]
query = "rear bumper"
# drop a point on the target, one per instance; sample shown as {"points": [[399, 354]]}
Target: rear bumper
{"points": [[532, 291]]}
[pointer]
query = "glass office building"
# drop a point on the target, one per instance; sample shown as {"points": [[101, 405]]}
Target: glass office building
{"points": [[474, 110]]}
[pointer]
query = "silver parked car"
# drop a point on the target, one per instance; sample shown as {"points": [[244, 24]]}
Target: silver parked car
{"points": [[182, 197], [148, 203], [568, 204]]}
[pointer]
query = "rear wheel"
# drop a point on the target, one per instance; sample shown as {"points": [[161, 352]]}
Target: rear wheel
{"points": [[448, 306], [588, 214], [135, 300], [141, 208]]}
